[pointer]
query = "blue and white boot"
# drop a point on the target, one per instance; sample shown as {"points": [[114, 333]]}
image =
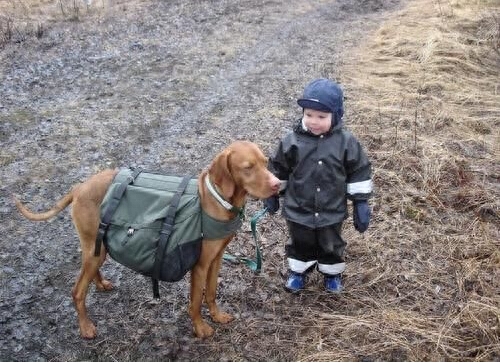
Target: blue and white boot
{"points": [[295, 282], [333, 283]]}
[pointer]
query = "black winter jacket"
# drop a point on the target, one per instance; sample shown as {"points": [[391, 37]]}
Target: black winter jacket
{"points": [[322, 171]]}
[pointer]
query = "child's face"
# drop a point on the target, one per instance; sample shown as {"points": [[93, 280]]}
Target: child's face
{"points": [[318, 122]]}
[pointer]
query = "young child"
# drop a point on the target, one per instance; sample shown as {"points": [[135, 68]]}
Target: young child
{"points": [[324, 165]]}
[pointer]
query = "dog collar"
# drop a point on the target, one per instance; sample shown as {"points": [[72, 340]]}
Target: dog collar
{"points": [[221, 200]]}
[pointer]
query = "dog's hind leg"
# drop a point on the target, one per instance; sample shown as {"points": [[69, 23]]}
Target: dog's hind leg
{"points": [[89, 271], [86, 218]]}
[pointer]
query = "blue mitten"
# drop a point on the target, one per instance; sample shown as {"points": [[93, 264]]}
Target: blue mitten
{"points": [[361, 215], [272, 204]]}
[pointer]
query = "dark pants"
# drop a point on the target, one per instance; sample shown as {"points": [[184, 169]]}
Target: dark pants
{"points": [[323, 246]]}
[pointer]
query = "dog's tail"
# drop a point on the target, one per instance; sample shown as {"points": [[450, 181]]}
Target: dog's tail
{"points": [[43, 216]]}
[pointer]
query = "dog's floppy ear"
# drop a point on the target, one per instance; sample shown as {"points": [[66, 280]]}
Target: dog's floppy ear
{"points": [[220, 174]]}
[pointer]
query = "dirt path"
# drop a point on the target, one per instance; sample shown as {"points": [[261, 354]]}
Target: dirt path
{"points": [[163, 85]]}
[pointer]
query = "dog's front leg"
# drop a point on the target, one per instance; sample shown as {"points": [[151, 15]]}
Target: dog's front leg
{"points": [[211, 292], [198, 278]]}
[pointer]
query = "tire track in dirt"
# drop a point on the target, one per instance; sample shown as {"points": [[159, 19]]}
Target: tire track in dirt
{"points": [[286, 54]]}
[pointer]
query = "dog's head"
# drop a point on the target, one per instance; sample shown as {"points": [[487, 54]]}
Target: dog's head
{"points": [[241, 169]]}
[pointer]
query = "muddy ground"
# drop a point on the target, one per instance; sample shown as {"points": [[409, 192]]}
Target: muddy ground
{"points": [[164, 85]]}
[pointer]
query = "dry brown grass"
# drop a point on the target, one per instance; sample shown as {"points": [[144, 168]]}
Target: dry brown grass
{"points": [[23, 19], [425, 90]]}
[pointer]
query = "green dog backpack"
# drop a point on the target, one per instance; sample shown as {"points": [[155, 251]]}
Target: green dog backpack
{"points": [[152, 224]]}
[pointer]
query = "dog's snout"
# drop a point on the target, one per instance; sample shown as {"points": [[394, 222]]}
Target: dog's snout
{"points": [[275, 183]]}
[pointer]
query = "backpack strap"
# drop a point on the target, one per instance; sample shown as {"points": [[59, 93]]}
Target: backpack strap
{"points": [[111, 208], [166, 230]]}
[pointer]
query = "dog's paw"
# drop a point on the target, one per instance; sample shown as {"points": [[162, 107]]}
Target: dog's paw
{"points": [[203, 330], [104, 285], [88, 330], [222, 317]]}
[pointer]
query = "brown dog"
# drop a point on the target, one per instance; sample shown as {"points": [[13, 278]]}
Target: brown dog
{"points": [[237, 171]]}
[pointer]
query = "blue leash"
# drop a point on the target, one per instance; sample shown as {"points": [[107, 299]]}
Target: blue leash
{"points": [[256, 264]]}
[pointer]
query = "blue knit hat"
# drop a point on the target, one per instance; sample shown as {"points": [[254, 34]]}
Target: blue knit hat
{"points": [[323, 95]]}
